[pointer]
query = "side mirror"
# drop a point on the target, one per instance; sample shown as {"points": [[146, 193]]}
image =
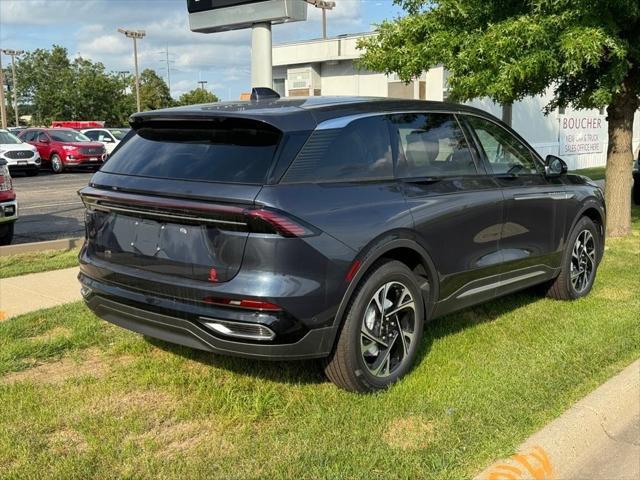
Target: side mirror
{"points": [[43, 139], [554, 166]]}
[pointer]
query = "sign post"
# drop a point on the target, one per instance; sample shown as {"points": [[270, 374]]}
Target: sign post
{"points": [[261, 62], [210, 16]]}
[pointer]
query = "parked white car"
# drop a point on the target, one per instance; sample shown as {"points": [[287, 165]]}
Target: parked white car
{"points": [[19, 156], [109, 137]]}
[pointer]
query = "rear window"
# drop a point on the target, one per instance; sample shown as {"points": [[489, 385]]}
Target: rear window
{"points": [[227, 151]]}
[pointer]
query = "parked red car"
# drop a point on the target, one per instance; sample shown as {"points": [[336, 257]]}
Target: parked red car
{"points": [[8, 204], [65, 148]]}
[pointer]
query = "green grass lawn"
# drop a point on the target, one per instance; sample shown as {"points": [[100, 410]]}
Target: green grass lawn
{"points": [[13, 265], [83, 399], [595, 173]]}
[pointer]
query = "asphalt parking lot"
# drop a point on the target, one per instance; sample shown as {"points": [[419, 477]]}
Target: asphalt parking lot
{"points": [[49, 206]]}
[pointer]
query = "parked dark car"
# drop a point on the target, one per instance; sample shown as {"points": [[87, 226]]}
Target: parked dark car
{"points": [[328, 228]]}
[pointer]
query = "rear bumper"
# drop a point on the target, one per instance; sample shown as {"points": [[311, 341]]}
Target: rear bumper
{"points": [[315, 343]]}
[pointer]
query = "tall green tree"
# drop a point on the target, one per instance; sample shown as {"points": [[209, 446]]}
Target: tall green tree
{"points": [[586, 51], [53, 87], [154, 92], [196, 96]]}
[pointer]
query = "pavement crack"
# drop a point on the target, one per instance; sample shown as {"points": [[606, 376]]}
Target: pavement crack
{"points": [[604, 428]]}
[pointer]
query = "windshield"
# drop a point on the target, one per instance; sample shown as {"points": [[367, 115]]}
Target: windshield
{"points": [[68, 136], [7, 138], [119, 133]]}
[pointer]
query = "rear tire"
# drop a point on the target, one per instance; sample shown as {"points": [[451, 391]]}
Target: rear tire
{"points": [[579, 263], [381, 334], [56, 163], [6, 233]]}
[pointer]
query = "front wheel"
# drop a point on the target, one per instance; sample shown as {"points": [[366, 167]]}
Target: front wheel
{"points": [[6, 233], [579, 263], [56, 163], [379, 340]]}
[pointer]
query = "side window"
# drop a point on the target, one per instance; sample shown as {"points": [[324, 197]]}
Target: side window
{"points": [[92, 134], [505, 153], [29, 136], [431, 145], [359, 151], [42, 137]]}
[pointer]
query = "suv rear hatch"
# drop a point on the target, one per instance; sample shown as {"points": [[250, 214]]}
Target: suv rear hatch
{"points": [[177, 196]]}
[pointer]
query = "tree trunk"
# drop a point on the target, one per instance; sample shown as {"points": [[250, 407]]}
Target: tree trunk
{"points": [[619, 161]]}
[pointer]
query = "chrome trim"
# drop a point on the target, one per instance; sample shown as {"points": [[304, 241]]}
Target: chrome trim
{"points": [[11, 218], [162, 215], [500, 283], [341, 122], [221, 327], [541, 196]]}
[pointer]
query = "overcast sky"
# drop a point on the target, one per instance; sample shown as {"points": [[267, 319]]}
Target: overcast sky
{"points": [[88, 28]]}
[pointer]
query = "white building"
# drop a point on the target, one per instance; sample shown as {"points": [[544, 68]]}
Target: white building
{"points": [[326, 67]]}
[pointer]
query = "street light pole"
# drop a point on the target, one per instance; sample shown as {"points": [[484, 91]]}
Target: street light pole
{"points": [[13, 54], [3, 111], [135, 35], [324, 5], [202, 84]]}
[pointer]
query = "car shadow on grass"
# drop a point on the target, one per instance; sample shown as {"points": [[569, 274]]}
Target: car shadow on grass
{"points": [[310, 371], [289, 372]]}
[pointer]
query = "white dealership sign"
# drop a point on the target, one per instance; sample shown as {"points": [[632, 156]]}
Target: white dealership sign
{"points": [[582, 134]]}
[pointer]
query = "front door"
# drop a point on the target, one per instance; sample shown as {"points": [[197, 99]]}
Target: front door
{"points": [[456, 206], [530, 241]]}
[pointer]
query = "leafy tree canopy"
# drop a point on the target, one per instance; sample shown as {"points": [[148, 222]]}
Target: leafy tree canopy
{"points": [[196, 96], [154, 92], [588, 50], [57, 88]]}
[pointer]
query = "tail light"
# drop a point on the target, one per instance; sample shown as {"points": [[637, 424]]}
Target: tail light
{"points": [[225, 217], [285, 226], [5, 179]]}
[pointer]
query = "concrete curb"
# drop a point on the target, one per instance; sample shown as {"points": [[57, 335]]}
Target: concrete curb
{"points": [[597, 438], [61, 244]]}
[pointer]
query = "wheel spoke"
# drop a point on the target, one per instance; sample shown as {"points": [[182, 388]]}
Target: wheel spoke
{"points": [[411, 304], [381, 366], [372, 337]]}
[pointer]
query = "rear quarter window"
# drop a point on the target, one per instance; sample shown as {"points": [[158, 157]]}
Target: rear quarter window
{"points": [[227, 151], [359, 151]]}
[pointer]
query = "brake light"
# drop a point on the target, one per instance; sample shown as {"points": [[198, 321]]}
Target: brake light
{"points": [[5, 179], [283, 225], [249, 304]]}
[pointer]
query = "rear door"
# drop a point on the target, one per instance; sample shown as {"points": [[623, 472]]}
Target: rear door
{"points": [[172, 199], [456, 206], [534, 207]]}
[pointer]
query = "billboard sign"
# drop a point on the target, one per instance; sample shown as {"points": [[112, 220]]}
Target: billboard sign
{"points": [[582, 134], [209, 16]]}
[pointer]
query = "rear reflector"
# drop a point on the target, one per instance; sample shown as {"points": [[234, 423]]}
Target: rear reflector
{"points": [[355, 266], [248, 304], [250, 331]]}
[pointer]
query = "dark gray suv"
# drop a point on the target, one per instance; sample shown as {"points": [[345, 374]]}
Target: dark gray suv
{"points": [[328, 228]]}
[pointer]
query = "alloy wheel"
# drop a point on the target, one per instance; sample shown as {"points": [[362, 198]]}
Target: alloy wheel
{"points": [[583, 261], [56, 163], [388, 329]]}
